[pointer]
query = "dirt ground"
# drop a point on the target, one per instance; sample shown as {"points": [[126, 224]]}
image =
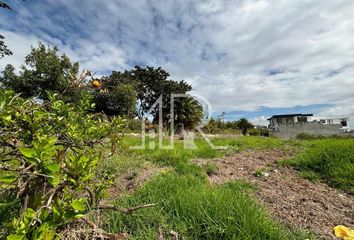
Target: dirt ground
{"points": [[129, 182], [289, 198]]}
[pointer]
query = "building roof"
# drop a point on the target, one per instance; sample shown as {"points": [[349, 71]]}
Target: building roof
{"points": [[291, 115]]}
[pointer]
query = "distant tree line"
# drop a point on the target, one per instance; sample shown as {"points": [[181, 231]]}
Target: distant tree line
{"points": [[219, 126]]}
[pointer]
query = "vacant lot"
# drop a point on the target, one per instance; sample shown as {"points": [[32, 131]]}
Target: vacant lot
{"points": [[257, 188]]}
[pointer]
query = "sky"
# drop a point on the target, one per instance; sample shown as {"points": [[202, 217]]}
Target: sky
{"points": [[248, 58]]}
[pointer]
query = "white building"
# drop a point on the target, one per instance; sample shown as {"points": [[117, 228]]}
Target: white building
{"points": [[278, 122], [343, 121]]}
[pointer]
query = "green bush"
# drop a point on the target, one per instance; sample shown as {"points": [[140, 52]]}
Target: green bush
{"points": [[48, 164], [259, 132]]}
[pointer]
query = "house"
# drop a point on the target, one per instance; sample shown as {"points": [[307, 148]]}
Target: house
{"points": [[343, 121], [289, 125], [288, 119]]}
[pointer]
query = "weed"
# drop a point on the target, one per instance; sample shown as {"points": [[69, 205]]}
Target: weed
{"points": [[210, 168], [196, 210], [331, 160]]}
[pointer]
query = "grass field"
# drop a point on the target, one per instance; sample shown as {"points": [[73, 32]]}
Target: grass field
{"points": [[186, 203], [330, 160]]}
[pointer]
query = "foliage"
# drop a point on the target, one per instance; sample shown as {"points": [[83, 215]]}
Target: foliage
{"points": [[210, 168], [243, 124], [187, 113], [116, 100], [219, 126], [3, 48], [44, 70], [187, 204], [149, 83], [48, 162], [193, 209], [259, 132], [306, 136], [330, 160]]}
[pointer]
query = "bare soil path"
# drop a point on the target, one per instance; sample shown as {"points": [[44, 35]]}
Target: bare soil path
{"points": [[289, 198]]}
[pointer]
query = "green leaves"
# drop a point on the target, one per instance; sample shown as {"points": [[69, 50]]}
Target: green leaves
{"points": [[54, 180], [53, 167], [16, 237], [27, 152], [56, 159], [8, 179], [78, 205]]}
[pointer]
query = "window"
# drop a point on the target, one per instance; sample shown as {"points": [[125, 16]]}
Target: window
{"points": [[322, 121], [330, 121], [302, 119], [343, 122]]}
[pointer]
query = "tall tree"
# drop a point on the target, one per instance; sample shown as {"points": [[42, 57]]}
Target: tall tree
{"points": [[149, 83], [187, 113], [3, 48], [44, 70], [153, 83], [117, 100], [243, 124]]}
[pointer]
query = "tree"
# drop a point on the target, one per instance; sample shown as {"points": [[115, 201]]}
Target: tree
{"points": [[117, 100], [188, 113], [44, 70], [243, 124], [3, 48], [149, 84]]}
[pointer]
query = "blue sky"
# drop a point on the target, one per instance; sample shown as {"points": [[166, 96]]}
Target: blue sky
{"points": [[249, 58]]}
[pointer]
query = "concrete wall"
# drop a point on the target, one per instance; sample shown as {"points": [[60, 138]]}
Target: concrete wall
{"points": [[313, 128]]}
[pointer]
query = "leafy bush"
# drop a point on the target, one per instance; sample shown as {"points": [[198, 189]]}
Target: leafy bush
{"points": [[47, 164]]}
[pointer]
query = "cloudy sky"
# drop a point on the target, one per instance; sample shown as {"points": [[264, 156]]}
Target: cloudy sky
{"points": [[251, 58]]}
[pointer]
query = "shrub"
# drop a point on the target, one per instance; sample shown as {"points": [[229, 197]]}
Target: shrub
{"points": [[48, 164]]}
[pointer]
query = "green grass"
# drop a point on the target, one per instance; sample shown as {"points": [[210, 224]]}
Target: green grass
{"points": [[210, 168], [185, 201], [197, 210], [330, 160], [179, 158], [171, 156]]}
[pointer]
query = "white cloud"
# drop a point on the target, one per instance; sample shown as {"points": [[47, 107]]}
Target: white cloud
{"points": [[225, 49], [261, 120]]}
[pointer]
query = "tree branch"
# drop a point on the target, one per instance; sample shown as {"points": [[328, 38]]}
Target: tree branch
{"points": [[125, 210], [112, 236]]}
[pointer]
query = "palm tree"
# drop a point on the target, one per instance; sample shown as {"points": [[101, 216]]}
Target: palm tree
{"points": [[243, 124], [187, 112]]}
